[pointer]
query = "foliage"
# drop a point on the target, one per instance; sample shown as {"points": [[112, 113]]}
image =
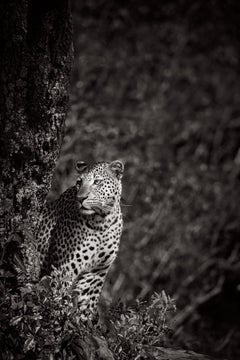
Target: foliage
{"points": [[40, 320], [41, 314], [140, 327]]}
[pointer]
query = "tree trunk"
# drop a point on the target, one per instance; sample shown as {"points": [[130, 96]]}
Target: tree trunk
{"points": [[35, 62]]}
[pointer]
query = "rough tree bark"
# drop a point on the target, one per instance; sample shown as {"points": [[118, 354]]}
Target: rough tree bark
{"points": [[35, 62]]}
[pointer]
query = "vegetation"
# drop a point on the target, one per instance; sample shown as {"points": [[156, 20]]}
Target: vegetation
{"points": [[40, 321]]}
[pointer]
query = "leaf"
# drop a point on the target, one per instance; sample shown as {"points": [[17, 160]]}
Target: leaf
{"points": [[29, 344], [25, 290], [16, 320], [19, 264], [45, 283], [16, 305]]}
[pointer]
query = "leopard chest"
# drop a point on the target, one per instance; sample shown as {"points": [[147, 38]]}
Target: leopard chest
{"points": [[85, 248]]}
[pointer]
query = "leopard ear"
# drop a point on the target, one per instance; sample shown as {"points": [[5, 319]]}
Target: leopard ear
{"points": [[80, 166], [117, 168]]}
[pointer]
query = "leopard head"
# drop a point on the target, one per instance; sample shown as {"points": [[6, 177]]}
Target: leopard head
{"points": [[99, 186]]}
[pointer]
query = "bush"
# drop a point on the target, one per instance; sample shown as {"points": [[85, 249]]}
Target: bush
{"points": [[39, 320]]}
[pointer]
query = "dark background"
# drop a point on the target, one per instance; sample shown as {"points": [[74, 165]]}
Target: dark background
{"points": [[157, 84]]}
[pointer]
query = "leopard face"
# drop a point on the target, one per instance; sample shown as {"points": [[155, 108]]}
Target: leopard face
{"points": [[99, 186]]}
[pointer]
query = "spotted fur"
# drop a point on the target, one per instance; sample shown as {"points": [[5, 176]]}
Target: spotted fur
{"points": [[80, 232]]}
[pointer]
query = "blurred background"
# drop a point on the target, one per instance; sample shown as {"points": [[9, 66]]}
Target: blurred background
{"points": [[157, 84]]}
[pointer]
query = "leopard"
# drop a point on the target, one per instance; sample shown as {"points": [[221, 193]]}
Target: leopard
{"points": [[80, 232]]}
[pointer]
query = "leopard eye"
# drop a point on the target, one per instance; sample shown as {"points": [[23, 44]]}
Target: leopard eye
{"points": [[97, 181]]}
